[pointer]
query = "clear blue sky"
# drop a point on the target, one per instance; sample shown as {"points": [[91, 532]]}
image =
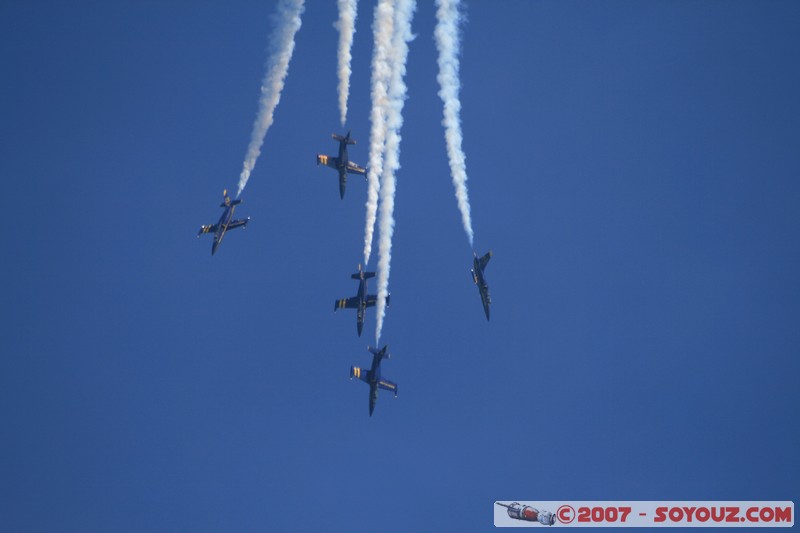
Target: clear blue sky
{"points": [[634, 167]]}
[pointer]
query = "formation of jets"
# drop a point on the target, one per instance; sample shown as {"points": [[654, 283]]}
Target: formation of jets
{"points": [[362, 300]]}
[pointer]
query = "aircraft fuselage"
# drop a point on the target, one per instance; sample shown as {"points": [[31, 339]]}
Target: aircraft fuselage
{"points": [[480, 280], [343, 158], [362, 305], [222, 226]]}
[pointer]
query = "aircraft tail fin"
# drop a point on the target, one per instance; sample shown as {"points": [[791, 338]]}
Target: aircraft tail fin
{"points": [[346, 139], [383, 353], [228, 202], [366, 275]]}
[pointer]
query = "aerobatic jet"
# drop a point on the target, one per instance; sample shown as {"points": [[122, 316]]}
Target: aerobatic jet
{"points": [[342, 163], [361, 300], [225, 223], [478, 266], [372, 377]]}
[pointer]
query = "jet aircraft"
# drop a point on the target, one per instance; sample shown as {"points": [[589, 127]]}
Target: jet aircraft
{"points": [[478, 266], [342, 163], [529, 514], [225, 222], [361, 300], [372, 377]]}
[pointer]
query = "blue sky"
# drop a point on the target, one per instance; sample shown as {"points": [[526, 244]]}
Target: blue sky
{"points": [[633, 166]]}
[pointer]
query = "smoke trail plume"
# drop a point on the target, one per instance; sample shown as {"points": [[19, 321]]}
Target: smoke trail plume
{"points": [[448, 44], [348, 11], [394, 121], [281, 46], [382, 29]]}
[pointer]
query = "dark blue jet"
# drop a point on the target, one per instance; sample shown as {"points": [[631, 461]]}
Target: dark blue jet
{"points": [[361, 300], [372, 377], [342, 163], [478, 266], [225, 223]]}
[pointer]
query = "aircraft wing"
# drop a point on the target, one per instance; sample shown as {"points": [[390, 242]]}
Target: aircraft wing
{"points": [[372, 299], [346, 303], [360, 373], [388, 385], [352, 168], [328, 161], [207, 228], [233, 224]]}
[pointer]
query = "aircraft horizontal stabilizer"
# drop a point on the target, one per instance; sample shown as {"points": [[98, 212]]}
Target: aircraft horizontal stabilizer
{"points": [[383, 352], [346, 140]]}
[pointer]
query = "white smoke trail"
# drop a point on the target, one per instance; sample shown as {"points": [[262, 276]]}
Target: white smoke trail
{"points": [[382, 29], [287, 22], [448, 44], [394, 121], [348, 11]]}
